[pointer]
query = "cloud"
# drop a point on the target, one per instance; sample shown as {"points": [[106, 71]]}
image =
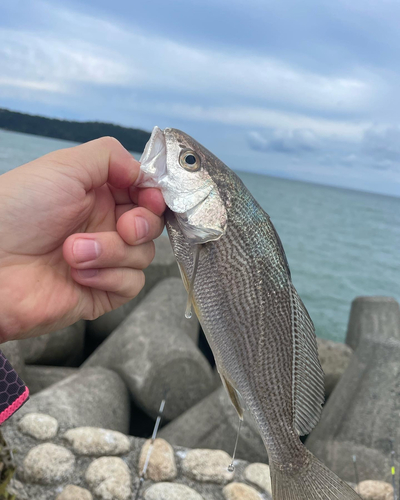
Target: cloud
{"points": [[285, 141], [87, 49], [33, 85], [48, 63], [382, 143], [263, 117]]}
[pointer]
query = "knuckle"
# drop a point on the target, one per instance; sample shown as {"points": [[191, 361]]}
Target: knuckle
{"points": [[136, 284], [144, 254], [122, 279], [151, 252], [140, 281]]}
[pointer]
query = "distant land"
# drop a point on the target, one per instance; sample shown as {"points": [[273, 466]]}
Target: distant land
{"points": [[132, 138]]}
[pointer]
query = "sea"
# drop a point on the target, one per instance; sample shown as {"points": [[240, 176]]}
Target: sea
{"points": [[340, 243]]}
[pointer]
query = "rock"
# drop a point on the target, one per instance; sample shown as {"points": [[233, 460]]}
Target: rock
{"points": [[334, 358], [48, 463], [168, 491], [109, 478], [161, 466], [373, 317], [39, 377], [361, 416], [97, 442], [72, 492], [375, 490], [18, 489], [259, 474], [240, 491], [61, 347], [152, 352], [93, 397], [163, 266], [213, 423], [38, 426], [207, 465], [13, 352]]}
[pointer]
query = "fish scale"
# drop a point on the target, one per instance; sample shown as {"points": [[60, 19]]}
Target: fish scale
{"points": [[259, 330]]}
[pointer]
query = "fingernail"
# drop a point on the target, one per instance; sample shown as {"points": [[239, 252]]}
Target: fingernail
{"points": [[87, 273], [141, 227], [85, 250]]}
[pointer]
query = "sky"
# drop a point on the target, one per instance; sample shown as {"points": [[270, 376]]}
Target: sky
{"points": [[305, 90]]}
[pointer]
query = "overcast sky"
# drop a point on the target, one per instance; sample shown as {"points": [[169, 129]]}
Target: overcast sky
{"points": [[306, 90]]}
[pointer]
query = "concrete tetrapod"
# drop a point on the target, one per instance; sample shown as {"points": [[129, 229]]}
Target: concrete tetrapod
{"points": [[63, 347], [153, 353], [95, 397], [38, 377], [373, 317], [361, 416], [213, 424]]}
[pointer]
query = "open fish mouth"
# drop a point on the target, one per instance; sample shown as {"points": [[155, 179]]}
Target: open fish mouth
{"points": [[153, 161]]}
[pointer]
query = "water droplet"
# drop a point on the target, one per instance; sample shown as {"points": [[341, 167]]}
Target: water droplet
{"points": [[231, 468], [188, 311]]}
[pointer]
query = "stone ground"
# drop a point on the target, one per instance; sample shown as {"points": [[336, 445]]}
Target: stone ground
{"points": [[88, 462]]}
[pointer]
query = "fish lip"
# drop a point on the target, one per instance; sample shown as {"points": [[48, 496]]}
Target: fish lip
{"points": [[153, 160]]}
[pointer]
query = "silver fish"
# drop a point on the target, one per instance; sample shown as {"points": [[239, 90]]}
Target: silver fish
{"points": [[235, 270]]}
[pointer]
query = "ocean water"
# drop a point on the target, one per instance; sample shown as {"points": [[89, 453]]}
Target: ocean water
{"points": [[340, 243]]}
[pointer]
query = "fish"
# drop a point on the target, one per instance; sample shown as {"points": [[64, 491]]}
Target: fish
{"points": [[239, 284]]}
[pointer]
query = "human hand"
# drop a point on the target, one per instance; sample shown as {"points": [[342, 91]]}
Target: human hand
{"points": [[74, 237]]}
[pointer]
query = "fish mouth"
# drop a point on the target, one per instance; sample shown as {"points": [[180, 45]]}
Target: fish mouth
{"points": [[153, 161]]}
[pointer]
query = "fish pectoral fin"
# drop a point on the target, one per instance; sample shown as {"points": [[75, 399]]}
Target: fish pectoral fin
{"points": [[184, 276], [186, 283], [233, 395]]}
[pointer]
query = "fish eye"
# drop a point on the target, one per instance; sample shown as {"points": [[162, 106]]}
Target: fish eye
{"points": [[189, 161]]}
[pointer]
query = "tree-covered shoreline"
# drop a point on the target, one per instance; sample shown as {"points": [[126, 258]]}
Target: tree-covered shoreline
{"points": [[133, 139]]}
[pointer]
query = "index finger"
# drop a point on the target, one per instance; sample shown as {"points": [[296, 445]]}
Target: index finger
{"points": [[102, 160]]}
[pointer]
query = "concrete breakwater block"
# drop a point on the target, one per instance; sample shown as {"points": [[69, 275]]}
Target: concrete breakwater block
{"points": [[153, 353], [57, 348], [39, 377], [373, 317], [163, 266], [213, 424], [361, 416], [94, 397], [335, 358]]}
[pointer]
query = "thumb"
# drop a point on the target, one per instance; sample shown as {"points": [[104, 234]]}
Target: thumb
{"points": [[102, 160]]}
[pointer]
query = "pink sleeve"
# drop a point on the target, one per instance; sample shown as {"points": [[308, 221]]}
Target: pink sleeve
{"points": [[13, 391]]}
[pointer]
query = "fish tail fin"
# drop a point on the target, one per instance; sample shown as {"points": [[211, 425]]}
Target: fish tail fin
{"points": [[314, 482]]}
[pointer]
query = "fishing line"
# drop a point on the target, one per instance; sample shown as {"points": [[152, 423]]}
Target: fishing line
{"points": [[393, 470], [149, 451], [356, 472], [231, 467]]}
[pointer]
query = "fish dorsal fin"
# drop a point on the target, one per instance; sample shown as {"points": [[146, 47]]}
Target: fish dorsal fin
{"points": [[308, 377]]}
